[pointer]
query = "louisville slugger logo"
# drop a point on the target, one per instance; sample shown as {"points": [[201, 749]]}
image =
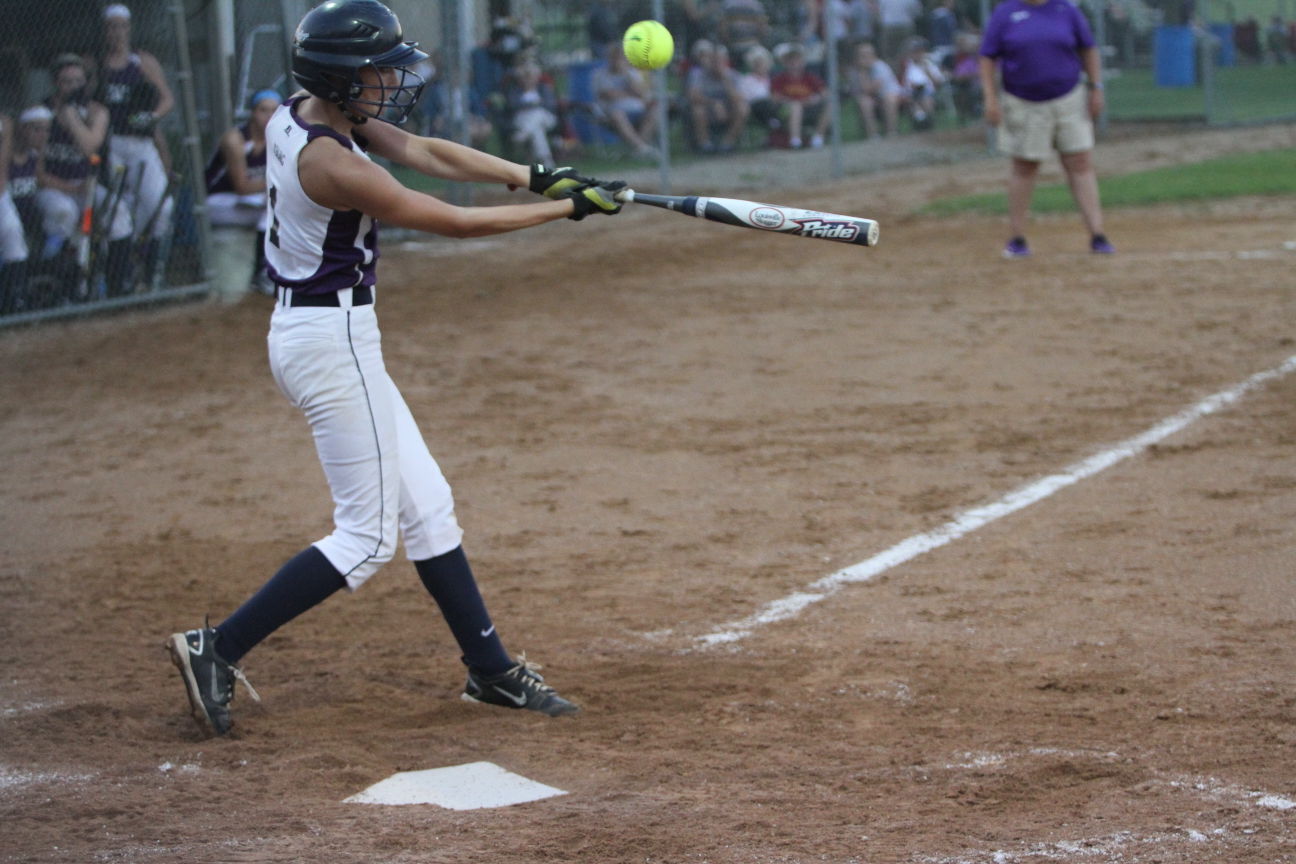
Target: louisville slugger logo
{"points": [[828, 230], [766, 217]]}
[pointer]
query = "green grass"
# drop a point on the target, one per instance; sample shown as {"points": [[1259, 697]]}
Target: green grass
{"points": [[1239, 10], [1271, 172], [1242, 94]]}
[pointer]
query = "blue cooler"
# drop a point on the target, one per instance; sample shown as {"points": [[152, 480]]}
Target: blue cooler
{"points": [[1173, 57], [1226, 50]]}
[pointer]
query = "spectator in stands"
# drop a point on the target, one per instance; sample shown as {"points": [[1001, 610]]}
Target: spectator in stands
{"points": [[805, 21], [812, 27], [874, 88], [962, 71], [533, 110], [942, 26], [744, 23], [899, 24], [861, 21], [921, 79], [717, 110], [1041, 48], [1246, 38], [433, 116], [13, 239], [802, 95], [626, 101], [65, 175], [236, 186], [136, 94], [1121, 30], [602, 26], [1276, 40], [491, 64], [754, 87], [688, 20], [426, 114]]}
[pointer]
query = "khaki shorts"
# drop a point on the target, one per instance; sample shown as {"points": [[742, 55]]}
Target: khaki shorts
{"points": [[1033, 130]]}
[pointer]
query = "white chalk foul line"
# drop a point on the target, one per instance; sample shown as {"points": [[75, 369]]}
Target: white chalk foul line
{"points": [[978, 517]]}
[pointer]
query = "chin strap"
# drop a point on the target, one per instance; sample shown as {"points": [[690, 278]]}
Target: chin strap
{"points": [[358, 119]]}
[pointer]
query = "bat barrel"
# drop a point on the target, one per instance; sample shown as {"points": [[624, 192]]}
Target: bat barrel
{"points": [[764, 217]]}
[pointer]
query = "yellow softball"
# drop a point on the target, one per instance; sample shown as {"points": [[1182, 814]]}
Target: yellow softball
{"points": [[648, 45]]}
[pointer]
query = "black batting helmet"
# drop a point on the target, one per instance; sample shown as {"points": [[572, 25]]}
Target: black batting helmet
{"points": [[338, 39]]}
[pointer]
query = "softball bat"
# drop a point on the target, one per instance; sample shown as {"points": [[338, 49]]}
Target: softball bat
{"points": [[765, 217]]}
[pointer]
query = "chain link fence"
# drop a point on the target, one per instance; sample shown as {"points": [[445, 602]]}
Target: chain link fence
{"points": [[111, 115], [100, 189], [490, 73], [1222, 62]]}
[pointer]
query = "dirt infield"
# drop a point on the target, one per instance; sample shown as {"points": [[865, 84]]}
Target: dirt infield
{"points": [[657, 427]]}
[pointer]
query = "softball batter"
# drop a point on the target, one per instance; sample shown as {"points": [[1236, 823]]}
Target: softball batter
{"points": [[325, 200]]}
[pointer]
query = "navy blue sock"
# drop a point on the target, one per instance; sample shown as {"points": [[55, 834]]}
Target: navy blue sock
{"points": [[305, 581], [449, 580]]}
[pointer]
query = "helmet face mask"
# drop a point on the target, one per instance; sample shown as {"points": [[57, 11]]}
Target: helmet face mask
{"points": [[386, 93], [352, 53]]}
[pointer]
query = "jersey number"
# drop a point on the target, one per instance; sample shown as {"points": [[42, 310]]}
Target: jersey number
{"points": [[274, 219]]}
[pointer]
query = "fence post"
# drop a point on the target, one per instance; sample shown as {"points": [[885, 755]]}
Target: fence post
{"points": [[193, 142], [990, 132], [1100, 38], [226, 107], [290, 14], [663, 111], [456, 60], [1207, 42], [834, 102]]}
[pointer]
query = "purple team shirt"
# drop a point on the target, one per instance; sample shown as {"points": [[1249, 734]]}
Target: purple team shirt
{"points": [[1037, 47]]}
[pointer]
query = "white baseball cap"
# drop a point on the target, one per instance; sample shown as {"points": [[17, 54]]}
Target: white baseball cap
{"points": [[35, 114], [116, 10]]}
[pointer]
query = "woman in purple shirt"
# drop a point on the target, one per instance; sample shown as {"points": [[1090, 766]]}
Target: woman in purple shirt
{"points": [[1041, 48]]}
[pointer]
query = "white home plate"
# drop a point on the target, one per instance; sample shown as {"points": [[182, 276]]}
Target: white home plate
{"points": [[459, 787]]}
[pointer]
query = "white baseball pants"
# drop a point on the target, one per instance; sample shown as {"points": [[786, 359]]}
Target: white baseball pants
{"points": [[61, 213], [328, 361], [240, 211], [146, 182], [13, 239]]}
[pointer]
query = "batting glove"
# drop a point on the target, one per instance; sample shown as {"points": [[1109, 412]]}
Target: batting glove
{"points": [[557, 182], [593, 199]]}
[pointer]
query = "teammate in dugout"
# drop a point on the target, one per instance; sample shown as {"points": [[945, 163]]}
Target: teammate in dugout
{"points": [[325, 200], [236, 185], [134, 89]]}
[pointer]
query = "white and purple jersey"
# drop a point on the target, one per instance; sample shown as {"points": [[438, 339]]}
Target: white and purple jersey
{"points": [[64, 157], [126, 91], [217, 176], [1037, 46], [310, 248], [23, 185]]}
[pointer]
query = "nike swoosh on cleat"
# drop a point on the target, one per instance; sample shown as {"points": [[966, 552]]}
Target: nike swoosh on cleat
{"points": [[516, 700], [489, 630]]}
